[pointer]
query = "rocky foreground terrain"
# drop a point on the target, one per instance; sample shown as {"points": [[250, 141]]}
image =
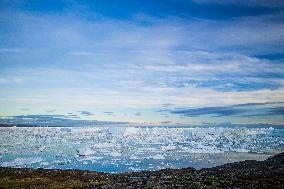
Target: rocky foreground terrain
{"points": [[245, 174]]}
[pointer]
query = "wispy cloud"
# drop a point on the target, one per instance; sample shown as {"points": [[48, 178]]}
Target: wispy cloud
{"points": [[217, 111], [256, 104], [166, 122], [137, 114], [109, 113], [40, 116], [276, 111], [86, 113], [233, 110], [11, 50], [51, 120], [76, 60], [14, 80], [256, 3]]}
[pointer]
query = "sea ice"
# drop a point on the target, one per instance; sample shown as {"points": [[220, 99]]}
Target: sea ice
{"points": [[102, 145], [85, 152], [22, 162]]}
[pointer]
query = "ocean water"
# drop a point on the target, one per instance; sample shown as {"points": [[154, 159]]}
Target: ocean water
{"points": [[125, 149]]}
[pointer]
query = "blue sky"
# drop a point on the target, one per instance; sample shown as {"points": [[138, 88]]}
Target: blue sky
{"points": [[170, 61]]}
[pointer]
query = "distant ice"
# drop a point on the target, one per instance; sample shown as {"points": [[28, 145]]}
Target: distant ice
{"points": [[85, 152], [158, 156], [22, 161], [114, 149]]}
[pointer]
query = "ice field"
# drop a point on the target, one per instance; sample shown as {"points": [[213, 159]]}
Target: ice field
{"points": [[124, 149]]}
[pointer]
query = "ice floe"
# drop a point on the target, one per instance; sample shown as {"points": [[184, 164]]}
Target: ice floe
{"points": [[114, 146], [85, 152], [22, 161]]}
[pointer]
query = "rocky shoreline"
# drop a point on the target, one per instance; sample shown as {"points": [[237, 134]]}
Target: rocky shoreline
{"points": [[245, 174]]}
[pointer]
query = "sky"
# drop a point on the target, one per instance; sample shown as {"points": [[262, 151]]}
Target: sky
{"points": [[150, 61]]}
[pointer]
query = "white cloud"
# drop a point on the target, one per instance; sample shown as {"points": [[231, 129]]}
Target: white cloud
{"points": [[2, 80], [18, 80], [15, 80], [111, 63], [11, 50], [265, 3]]}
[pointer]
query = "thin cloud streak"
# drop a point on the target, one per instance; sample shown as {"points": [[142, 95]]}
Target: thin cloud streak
{"points": [[101, 62], [233, 110]]}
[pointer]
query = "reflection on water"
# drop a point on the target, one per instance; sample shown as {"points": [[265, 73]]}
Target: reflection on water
{"points": [[121, 149]]}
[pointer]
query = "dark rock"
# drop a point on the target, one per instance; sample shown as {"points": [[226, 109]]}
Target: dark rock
{"points": [[245, 174]]}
